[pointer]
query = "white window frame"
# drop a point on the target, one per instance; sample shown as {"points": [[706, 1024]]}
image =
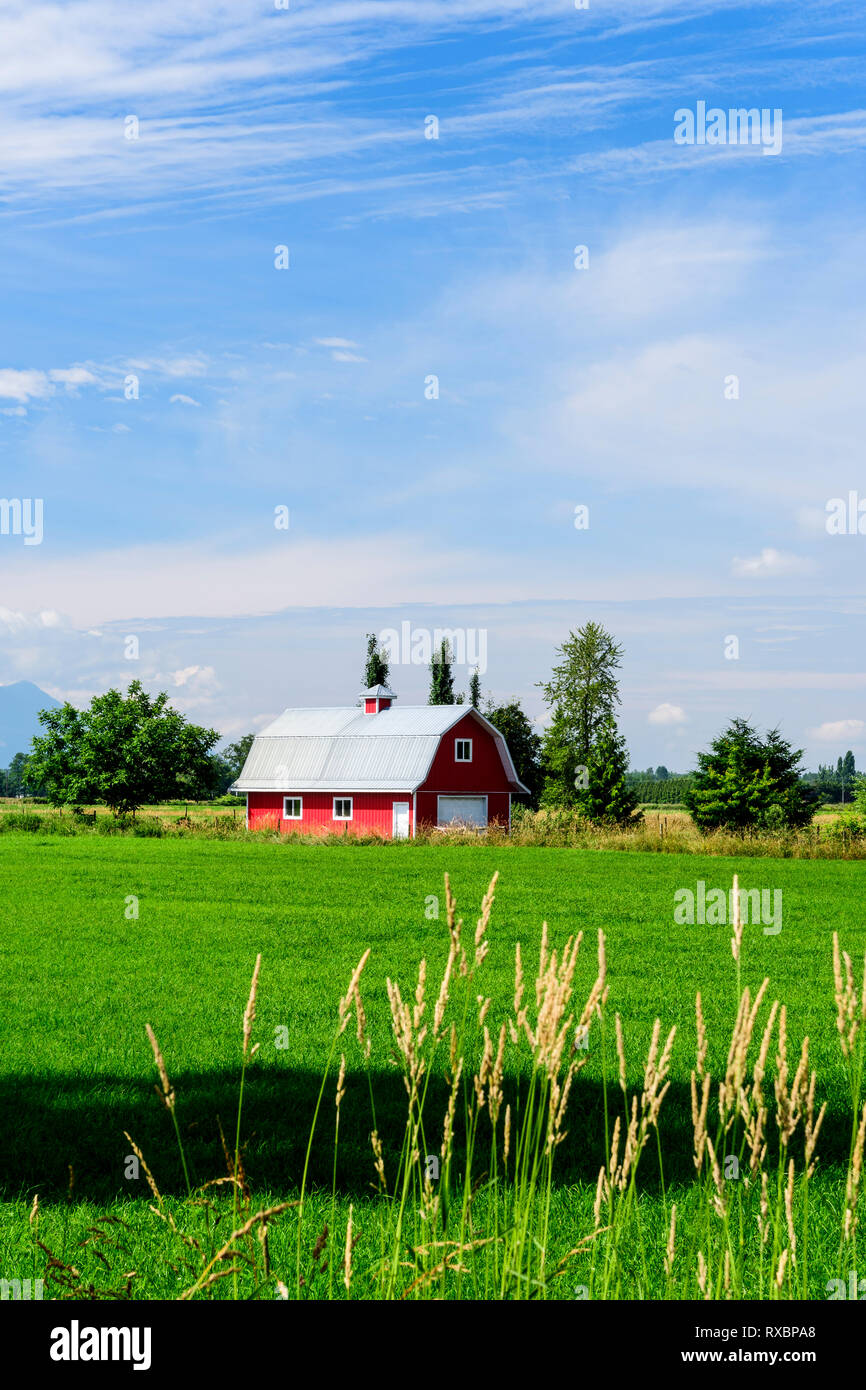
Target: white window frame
{"points": [[351, 801], [457, 743], [300, 801]]}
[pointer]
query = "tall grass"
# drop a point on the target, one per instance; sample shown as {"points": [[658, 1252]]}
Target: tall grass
{"points": [[665, 832], [465, 1201]]}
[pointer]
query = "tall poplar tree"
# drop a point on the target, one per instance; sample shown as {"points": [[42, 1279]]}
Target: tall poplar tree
{"points": [[376, 666], [441, 678]]}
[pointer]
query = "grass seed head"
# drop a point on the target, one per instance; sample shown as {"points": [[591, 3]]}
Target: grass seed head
{"points": [[166, 1095], [250, 1011]]}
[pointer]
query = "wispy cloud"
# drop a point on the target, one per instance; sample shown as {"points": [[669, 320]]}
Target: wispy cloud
{"points": [[770, 564]]}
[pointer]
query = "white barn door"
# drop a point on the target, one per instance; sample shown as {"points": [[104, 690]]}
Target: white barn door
{"points": [[472, 810], [400, 820]]}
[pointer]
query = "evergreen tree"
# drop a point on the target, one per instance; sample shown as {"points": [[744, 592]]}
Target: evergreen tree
{"points": [[441, 678], [475, 689], [608, 799], [662, 773], [583, 693], [376, 666], [746, 781], [524, 744]]}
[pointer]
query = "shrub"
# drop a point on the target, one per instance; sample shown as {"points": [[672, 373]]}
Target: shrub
{"points": [[148, 829], [21, 820]]}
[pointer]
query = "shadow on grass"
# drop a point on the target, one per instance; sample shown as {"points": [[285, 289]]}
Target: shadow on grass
{"points": [[48, 1123]]}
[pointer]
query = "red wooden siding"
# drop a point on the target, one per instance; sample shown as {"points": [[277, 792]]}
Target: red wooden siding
{"points": [[372, 812], [484, 776]]}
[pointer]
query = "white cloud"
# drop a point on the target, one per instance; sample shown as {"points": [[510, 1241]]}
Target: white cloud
{"points": [[838, 730], [770, 564], [667, 714], [183, 400], [208, 580], [193, 676], [34, 384], [336, 342], [195, 365], [17, 620], [24, 385], [72, 377], [837, 134], [347, 357]]}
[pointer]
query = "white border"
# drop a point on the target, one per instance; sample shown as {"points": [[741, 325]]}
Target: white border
{"points": [[351, 815], [293, 798], [463, 740]]}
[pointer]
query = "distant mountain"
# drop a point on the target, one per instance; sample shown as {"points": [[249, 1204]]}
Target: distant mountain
{"points": [[19, 706]]}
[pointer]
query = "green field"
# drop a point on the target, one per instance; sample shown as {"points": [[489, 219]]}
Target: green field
{"points": [[81, 978]]}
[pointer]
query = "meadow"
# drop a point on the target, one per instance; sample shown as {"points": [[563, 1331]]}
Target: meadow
{"points": [[105, 935]]}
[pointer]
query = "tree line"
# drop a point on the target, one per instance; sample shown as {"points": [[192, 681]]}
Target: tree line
{"points": [[126, 751]]}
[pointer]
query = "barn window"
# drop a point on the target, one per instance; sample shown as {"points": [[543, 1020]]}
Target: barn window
{"points": [[293, 808], [463, 750], [342, 808]]}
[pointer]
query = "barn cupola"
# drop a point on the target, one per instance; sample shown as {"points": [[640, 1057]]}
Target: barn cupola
{"points": [[377, 698]]}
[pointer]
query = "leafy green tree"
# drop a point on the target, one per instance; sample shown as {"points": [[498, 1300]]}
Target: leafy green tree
{"points": [[376, 665], [126, 751], [17, 780], [475, 689], [236, 754], [662, 773], [581, 742], [583, 687], [441, 678], [229, 763], [745, 781], [524, 744], [827, 783]]}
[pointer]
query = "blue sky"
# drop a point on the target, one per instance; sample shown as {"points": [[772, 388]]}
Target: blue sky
{"points": [[409, 257]]}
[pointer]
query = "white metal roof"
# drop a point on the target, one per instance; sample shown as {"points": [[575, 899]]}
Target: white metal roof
{"points": [[378, 692], [347, 750]]}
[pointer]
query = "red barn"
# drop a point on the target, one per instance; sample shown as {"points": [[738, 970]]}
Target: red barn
{"points": [[379, 771]]}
